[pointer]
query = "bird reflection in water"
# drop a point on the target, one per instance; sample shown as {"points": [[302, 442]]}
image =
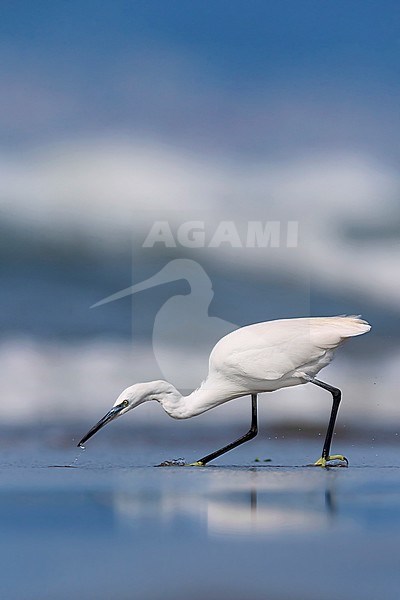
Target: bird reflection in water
{"points": [[239, 503]]}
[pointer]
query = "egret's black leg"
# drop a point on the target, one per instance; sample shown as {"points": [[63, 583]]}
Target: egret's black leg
{"points": [[337, 396], [248, 436]]}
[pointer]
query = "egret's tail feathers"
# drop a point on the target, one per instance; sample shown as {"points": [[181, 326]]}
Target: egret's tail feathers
{"points": [[330, 332], [352, 325]]}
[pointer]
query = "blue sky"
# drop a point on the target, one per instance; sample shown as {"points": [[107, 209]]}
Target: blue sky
{"points": [[252, 38], [252, 76]]}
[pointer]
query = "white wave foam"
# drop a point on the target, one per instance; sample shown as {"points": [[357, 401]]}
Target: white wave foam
{"points": [[105, 189]]}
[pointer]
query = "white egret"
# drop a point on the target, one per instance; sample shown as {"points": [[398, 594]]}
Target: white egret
{"points": [[263, 357]]}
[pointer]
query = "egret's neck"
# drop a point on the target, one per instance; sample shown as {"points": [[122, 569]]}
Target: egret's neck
{"points": [[209, 395]]}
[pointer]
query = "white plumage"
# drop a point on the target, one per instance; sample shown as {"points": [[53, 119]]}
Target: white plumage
{"points": [[262, 357], [267, 356]]}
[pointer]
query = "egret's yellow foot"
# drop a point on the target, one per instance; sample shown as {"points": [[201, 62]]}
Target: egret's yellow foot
{"points": [[198, 463], [323, 462]]}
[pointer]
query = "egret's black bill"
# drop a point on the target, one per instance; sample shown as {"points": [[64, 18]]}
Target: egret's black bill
{"points": [[106, 419]]}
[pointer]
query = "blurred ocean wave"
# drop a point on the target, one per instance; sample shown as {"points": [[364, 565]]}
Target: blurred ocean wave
{"points": [[89, 197]]}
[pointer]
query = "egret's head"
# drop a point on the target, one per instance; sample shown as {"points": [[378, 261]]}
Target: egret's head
{"points": [[131, 397]]}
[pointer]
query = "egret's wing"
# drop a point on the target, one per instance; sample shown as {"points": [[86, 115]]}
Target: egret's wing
{"points": [[273, 349], [264, 352], [272, 362]]}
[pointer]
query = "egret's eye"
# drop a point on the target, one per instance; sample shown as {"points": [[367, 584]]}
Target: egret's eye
{"points": [[125, 403]]}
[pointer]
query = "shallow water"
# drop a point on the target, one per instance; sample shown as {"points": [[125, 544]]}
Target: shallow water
{"points": [[116, 527]]}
